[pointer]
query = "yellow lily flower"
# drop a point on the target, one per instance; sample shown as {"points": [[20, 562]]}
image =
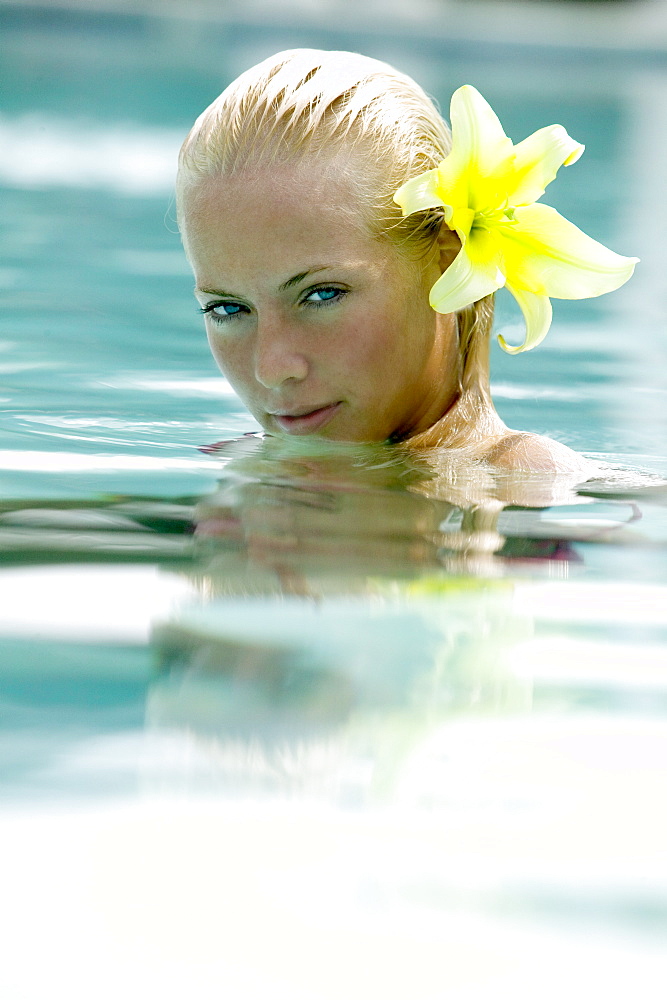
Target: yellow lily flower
{"points": [[488, 188]]}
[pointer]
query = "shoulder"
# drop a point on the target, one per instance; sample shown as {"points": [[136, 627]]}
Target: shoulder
{"points": [[524, 452]]}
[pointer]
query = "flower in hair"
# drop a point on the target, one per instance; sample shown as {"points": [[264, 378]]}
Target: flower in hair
{"points": [[488, 188]]}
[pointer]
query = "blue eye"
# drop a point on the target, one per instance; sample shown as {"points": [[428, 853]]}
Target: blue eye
{"points": [[222, 311], [324, 296]]}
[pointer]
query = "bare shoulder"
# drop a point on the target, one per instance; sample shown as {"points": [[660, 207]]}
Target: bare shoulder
{"points": [[524, 452]]}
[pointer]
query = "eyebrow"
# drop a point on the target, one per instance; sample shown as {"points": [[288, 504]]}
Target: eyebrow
{"points": [[290, 283], [217, 292], [299, 278]]}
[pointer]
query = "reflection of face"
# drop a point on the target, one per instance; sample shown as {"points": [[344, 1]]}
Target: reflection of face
{"points": [[320, 327]]}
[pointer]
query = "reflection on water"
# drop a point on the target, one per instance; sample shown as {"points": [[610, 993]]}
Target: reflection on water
{"points": [[328, 606], [352, 698], [356, 597]]}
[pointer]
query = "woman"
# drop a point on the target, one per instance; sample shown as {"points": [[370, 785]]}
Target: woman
{"points": [[347, 293]]}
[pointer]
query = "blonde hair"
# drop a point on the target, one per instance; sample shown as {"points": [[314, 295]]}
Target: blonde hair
{"points": [[313, 104]]}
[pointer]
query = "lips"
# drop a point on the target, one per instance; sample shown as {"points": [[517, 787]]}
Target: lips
{"points": [[303, 421]]}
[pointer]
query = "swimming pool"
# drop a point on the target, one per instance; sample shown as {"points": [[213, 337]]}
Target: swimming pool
{"points": [[283, 721]]}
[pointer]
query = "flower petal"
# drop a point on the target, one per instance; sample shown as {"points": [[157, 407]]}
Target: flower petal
{"points": [[537, 160], [546, 254], [474, 273], [419, 193], [537, 313], [481, 151]]}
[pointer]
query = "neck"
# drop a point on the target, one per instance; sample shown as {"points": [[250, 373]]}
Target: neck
{"points": [[470, 421]]}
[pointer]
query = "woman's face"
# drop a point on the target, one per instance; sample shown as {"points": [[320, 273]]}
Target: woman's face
{"points": [[319, 327]]}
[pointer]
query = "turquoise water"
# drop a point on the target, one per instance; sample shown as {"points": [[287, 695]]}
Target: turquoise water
{"points": [[280, 720]]}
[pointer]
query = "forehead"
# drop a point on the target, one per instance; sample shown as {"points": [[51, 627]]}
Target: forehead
{"points": [[322, 183], [289, 210]]}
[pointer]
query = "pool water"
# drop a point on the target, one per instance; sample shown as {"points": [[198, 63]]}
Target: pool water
{"points": [[286, 720]]}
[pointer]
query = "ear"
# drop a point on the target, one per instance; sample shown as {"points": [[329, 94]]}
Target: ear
{"points": [[449, 245]]}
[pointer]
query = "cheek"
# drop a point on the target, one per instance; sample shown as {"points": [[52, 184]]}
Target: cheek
{"points": [[214, 344], [216, 349], [231, 357], [374, 349], [360, 353], [394, 338]]}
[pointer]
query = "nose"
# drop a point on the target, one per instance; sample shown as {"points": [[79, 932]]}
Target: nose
{"points": [[278, 357]]}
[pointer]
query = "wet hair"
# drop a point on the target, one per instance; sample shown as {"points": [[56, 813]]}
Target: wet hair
{"points": [[379, 125]]}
